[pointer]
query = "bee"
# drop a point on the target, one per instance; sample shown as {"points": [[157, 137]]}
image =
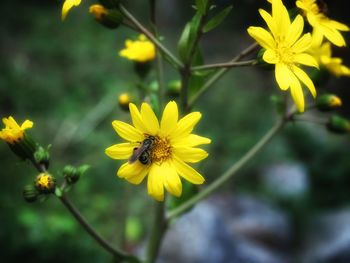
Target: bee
{"points": [[142, 153]]}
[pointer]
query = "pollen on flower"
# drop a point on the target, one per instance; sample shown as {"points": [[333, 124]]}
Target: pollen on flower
{"points": [[161, 150]]}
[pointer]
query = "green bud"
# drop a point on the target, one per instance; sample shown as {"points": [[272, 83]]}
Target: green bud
{"points": [[42, 156], [45, 183], [30, 193], [110, 18], [328, 102], [338, 125], [71, 174], [174, 87]]}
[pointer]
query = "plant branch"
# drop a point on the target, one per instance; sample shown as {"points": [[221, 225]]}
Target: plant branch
{"points": [[159, 227], [177, 63], [119, 255], [220, 73], [230, 172], [225, 65]]}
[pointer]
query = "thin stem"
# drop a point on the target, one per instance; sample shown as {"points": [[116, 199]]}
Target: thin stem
{"points": [[114, 251], [177, 63], [225, 65], [159, 227], [230, 172], [220, 73]]}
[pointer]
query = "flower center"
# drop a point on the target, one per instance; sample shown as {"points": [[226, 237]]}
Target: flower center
{"points": [[284, 53], [161, 150]]}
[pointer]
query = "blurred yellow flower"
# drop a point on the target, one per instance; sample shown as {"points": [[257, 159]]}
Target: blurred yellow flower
{"points": [[98, 11], [141, 50], [159, 150], [67, 5], [323, 54], [286, 48], [13, 132], [319, 21]]}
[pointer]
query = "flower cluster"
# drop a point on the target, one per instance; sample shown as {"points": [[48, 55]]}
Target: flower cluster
{"points": [[159, 150], [287, 47]]}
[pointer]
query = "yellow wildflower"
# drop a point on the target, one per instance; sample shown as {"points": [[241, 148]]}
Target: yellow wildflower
{"points": [[323, 54], [286, 48], [319, 21], [166, 147], [141, 50], [45, 183], [13, 132], [98, 11], [67, 6]]}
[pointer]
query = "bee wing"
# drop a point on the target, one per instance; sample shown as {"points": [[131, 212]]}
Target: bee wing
{"points": [[137, 153]]}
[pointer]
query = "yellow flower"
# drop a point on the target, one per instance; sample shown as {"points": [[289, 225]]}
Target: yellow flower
{"points": [[98, 11], [172, 146], [13, 132], [323, 54], [67, 5], [319, 21], [141, 50], [285, 47]]}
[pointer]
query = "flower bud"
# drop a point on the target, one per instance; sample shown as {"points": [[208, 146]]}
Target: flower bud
{"points": [[174, 87], [124, 99], [338, 125], [45, 183], [30, 193], [110, 18], [328, 102], [71, 174], [42, 157]]}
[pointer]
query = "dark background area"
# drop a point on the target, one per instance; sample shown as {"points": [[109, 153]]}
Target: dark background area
{"points": [[66, 77]]}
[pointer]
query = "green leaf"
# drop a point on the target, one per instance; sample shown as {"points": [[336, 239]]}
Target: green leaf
{"points": [[202, 6], [187, 38], [217, 19]]}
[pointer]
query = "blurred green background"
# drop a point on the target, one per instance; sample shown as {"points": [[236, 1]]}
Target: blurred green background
{"points": [[66, 77]]}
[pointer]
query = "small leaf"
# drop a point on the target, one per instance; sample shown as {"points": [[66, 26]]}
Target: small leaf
{"points": [[217, 20], [183, 42]]}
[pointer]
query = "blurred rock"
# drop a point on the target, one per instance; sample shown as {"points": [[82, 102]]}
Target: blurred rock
{"points": [[228, 230], [286, 179], [328, 238]]}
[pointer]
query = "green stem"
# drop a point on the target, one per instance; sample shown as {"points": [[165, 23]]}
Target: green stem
{"points": [[230, 172], [159, 227], [225, 65], [119, 255], [220, 73], [173, 60]]}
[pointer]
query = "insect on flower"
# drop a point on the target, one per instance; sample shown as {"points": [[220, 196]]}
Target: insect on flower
{"points": [[142, 153]]}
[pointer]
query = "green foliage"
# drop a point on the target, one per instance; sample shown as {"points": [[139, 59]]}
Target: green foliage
{"points": [[217, 19]]}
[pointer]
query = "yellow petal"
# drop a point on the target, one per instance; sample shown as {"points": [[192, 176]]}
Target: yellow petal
{"points": [[270, 56], [169, 118], [155, 182], [302, 44], [187, 172], [305, 79], [172, 181], [149, 119], [67, 5], [136, 118], [120, 151], [27, 125], [295, 30], [305, 59], [190, 140], [263, 37], [332, 34], [269, 22], [127, 132], [282, 75], [281, 16], [297, 93], [186, 125], [339, 26], [133, 173], [190, 154]]}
